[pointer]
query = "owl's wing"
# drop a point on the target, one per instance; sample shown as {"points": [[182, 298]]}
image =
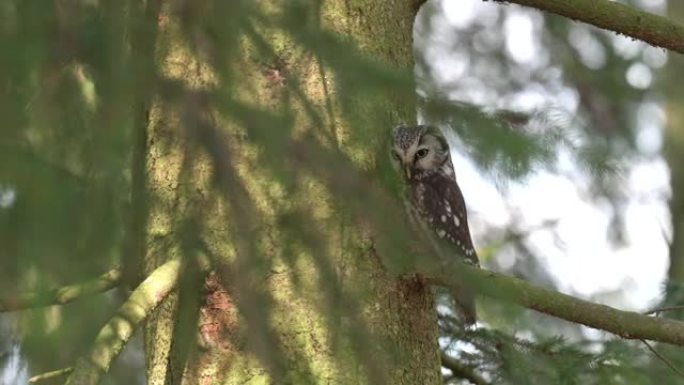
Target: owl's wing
{"points": [[439, 213], [443, 207]]}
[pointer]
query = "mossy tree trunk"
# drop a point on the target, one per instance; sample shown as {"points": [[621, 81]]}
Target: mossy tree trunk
{"points": [[299, 293]]}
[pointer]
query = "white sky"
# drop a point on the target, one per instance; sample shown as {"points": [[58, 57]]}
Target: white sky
{"points": [[586, 264]]}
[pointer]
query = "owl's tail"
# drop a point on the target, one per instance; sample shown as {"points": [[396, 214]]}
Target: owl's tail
{"points": [[464, 302]]}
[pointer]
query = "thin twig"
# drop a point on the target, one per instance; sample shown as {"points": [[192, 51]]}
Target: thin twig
{"points": [[662, 358], [663, 309], [50, 375], [61, 295]]}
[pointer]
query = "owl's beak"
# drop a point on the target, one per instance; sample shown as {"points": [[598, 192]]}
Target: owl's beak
{"points": [[407, 171]]}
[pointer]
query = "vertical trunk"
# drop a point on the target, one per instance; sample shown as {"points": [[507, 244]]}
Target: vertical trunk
{"points": [[674, 148], [316, 306]]}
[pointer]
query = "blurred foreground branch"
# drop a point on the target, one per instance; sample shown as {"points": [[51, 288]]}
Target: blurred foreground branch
{"points": [[62, 295], [461, 371], [653, 29], [626, 324], [113, 336]]}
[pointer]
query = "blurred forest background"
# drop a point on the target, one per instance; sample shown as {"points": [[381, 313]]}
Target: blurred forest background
{"points": [[566, 140]]}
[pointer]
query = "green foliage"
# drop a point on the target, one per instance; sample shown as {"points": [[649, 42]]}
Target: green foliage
{"points": [[511, 359]]}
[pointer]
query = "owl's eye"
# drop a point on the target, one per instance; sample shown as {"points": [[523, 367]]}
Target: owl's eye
{"points": [[421, 153], [396, 156]]}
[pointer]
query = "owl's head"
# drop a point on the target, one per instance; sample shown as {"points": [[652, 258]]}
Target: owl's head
{"points": [[417, 150]]}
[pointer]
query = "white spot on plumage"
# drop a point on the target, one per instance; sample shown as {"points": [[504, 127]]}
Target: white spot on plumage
{"points": [[443, 218], [441, 233], [457, 222]]}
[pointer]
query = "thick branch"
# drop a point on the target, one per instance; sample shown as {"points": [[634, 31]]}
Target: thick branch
{"points": [[62, 295], [625, 324], [629, 21], [112, 338]]}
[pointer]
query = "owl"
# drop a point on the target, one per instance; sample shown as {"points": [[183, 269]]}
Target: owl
{"points": [[434, 202]]}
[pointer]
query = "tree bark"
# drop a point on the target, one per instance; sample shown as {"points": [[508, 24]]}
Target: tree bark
{"points": [[674, 148], [274, 312]]}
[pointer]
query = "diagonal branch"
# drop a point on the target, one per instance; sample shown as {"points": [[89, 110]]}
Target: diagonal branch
{"points": [[667, 362], [113, 336], [50, 375], [653, 29], [626, 324], [62, 295]]}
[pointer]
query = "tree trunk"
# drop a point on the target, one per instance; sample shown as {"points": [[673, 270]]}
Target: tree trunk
{"points": [[276, 311], [674, 148]]}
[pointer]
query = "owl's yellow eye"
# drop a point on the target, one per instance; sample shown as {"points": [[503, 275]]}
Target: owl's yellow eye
{"points": [[421, 153]]}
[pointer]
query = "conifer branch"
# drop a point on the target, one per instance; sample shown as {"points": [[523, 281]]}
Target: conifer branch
{"points": [[623, 19], [460, 370], [626, 324], [62, 295]]}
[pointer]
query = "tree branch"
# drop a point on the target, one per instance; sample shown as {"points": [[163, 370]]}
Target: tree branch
{"points": [[460, 370], [653, 29], [626, 324], [113, 336], [62, 295]]}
